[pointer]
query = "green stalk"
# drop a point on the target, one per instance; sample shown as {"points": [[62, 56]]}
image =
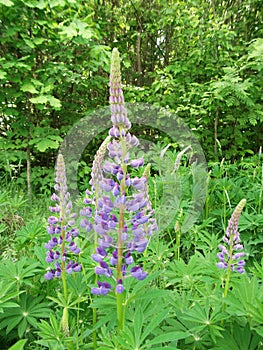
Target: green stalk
{"points": [[120, 310], [94, 334], [64, 321], [119, 274], [94, 311], [77, 338], [177, 228], [260, 192], [178, 240], [229, 267], [228, 270]]}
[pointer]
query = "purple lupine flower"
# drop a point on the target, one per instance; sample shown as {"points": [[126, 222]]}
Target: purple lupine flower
{"points": [[61, 246], [122, 217], [138, 273], [119, 287], [103, 288], [49, 275], [230, 255]]}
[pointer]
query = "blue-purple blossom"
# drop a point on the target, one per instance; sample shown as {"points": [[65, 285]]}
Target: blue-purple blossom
{"points": [[103, 288], [61, 246], [122, 216], [231, 254]]}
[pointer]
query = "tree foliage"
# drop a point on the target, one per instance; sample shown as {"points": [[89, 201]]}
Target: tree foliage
{"points": [[201, 59]]}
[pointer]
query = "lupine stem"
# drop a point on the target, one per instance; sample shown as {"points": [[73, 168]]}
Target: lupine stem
{"points": [[65, 327], [119, 274], [178, 232], [94, 311], [120, 312], [229, 266]]}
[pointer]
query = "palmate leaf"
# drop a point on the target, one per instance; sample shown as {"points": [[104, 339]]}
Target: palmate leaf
{"points": [[240, 338], [19, 271], [243, 298], [27, 312], [52, 335]]}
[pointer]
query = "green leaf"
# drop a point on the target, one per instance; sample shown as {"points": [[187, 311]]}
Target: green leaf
{"points": [[43, 145], [172, 336], [7, 2], [28, 87], [155, 322], [39, 41], [29, 43], [2, 73], [54, 102], [11, 322], [19, 345], [70, 31], [40, 99], [34, 3], [22, 327]]}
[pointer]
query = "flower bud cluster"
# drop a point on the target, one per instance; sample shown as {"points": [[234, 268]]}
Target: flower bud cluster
{"points": [[61, 247], [231, 254]]}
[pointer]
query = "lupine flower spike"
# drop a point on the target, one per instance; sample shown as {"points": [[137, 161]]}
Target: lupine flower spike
{"points": [[231, 252], [123, 219], [61, 248]]}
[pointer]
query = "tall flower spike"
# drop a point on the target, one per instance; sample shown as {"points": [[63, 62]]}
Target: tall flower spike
{"points": [[123, 216], [61, 246], [231, 254]]}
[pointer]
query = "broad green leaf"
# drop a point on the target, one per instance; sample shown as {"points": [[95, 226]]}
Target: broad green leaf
{"points": [[29, 43], [39, 41], [2, 74], [7, 2], [18, 345], [40, 99], [43, 145], [55, 3], [35, 3], [29, 87], [70, 31], [54, 102]]}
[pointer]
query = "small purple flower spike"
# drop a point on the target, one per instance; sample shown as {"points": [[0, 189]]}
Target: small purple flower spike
{"points": [[61, 245], [230, 256]]}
